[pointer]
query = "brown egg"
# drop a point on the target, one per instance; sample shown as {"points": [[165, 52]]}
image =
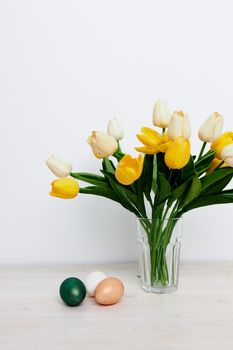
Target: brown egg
{"points": [[109, 291]]}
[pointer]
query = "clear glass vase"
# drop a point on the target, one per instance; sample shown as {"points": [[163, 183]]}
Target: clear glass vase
{"points": [[159, 242]]}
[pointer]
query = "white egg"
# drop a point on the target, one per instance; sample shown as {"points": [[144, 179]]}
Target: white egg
{"points": [[92, 280]]}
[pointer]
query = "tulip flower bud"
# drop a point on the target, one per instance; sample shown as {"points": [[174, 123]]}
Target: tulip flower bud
{"points": [[161, 114], [66, 188], [178, 153], [179, 126], [227, 155], [103, 145], [115, 129], [211, 129], [58, 166], [129, 169]]}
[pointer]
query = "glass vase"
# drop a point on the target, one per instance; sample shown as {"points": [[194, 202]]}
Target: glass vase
{"points": [[159, 243]]}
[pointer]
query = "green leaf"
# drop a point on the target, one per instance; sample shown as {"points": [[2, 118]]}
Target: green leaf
{"points": [[218, 186], [219, 198], [203, 169], [148, 175], [211, 187], [214, 177], [100, 191], [207, 158], [117, 187], [187, 172], [193, 191], [178, 192], [118, 154], [109, 175], [127, 198], [140, 197], [161, 165], [157, 212], [154, 175], [203, 164], [144, 183], [181, 177], [164, 189], [93, 179], [108, 165], [228, 193]]}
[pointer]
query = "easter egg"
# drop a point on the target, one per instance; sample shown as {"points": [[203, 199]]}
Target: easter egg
{"points": [[72, 291], [92, 280], [109, 291]]}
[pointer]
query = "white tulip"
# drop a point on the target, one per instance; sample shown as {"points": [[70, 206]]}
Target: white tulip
{"points": [[115, 129], [103, 145], [229, 161], [227, 154], [58, 166], [179, 126], [211, 129], [161, 114]]}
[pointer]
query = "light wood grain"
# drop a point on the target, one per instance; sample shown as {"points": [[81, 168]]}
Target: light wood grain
{"points": [[198, 316]]}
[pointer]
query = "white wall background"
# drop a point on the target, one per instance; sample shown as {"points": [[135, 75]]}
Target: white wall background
{"points": [[66, 67]]}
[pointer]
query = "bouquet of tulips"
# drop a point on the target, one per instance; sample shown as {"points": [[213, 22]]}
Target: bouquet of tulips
{"points": [[164, 181]]}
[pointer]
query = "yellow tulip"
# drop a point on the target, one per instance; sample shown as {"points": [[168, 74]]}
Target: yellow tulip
{"points": [[166, 142], [224, 140], [129, 169], [178, 153], [66, 188], [215, 162], [153, 141]]}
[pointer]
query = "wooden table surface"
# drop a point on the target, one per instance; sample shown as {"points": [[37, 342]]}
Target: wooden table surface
{"points": [[198, 316]]}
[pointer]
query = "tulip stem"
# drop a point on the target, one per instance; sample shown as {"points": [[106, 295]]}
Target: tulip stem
{"points": [[202, 150], [219, 165], [170, 175], [119, 147]]}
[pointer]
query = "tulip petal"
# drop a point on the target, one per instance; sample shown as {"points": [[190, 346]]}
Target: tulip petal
{"points": [[229, 161], [147, 150], [164, 146], [140, 165], [227, 151], [153, 141], [178, 153], [211, 129], [103, 145], [221, 142], [149, 137], [179, 126], [175, 126], [58, 166], [129, 169], [115, 129], [161, 114], [65, 188], [150, 133]]}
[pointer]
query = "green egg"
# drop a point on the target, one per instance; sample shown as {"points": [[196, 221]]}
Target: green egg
{"points": [[72, 291]]}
